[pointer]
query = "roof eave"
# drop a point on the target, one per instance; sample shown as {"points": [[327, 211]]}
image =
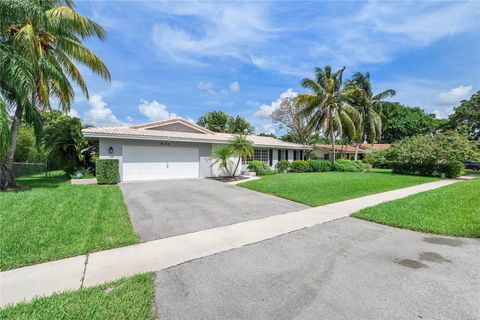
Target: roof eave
{"points": [[180, 139]]}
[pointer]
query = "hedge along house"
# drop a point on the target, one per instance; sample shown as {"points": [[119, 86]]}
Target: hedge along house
{"points": [[324, 151], [176, 149]]}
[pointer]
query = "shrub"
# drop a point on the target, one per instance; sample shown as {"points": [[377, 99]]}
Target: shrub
{"points": [[299, 166], [320, 165], [415, 168], [378, 159], [107, 171], [348, 166], [452, 169], [282, 166], [259, 167]]}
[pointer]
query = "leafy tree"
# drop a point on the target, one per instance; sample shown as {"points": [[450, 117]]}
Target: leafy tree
{"points": [[241, 147], [216, 121], [39, 42], [466, 117], [327, 106], [28, 150], [222, 156], [289, 116], [64, 138], [239, 125], [403, 122], [368, 104], [264, 134], [220, 121]]}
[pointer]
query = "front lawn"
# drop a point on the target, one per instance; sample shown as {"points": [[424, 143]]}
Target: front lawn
{"points": [[128, 298], [319, 188], [55, 219], [453, 210]]}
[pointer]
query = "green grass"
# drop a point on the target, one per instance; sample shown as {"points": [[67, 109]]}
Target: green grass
{"points": [[316, 189], [54, 219], [452, 210], [128, 298]]}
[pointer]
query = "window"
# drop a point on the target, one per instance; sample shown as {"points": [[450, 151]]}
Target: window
{"points": [[259, 155], [281, 155], [326, 156]]}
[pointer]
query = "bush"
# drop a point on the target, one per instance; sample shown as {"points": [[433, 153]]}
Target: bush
{"points": [[282, 166], [414, 168], [320, 165], [349, 166], [259, 167], [107, 171], [452, 169], [299, 166], [378, 159]]}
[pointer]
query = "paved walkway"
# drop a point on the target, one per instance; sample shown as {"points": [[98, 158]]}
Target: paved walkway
{"points": [[96, 268]]}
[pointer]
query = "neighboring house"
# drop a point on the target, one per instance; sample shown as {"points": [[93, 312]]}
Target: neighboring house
{"points": [[177, 148], [324, 151]]}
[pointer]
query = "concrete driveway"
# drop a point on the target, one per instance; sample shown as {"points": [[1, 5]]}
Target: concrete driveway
{"points": [[161, 209], [345, 269]]}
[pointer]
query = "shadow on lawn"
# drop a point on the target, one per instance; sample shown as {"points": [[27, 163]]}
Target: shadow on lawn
{"points": [[40, 181]]}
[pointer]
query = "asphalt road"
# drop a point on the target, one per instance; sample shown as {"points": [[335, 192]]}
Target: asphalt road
{"points": [[345, 269]]}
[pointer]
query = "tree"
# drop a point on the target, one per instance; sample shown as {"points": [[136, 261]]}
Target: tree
{"points": [[264, 134], [39, 42], [64, 138], [239, 125], [220, 121], [466, 117], [327, 106], [223, 157], [216, 121], [403, 122], [289, 116], [241, 147], [360, 95]]}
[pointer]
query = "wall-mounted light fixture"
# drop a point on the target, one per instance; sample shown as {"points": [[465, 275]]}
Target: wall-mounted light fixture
{"points": [[110, 150]]}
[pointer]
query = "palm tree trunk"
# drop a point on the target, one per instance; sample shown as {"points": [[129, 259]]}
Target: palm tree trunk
{"points": [[236, 167], [356, 151], [7, 179], [333, 145]]}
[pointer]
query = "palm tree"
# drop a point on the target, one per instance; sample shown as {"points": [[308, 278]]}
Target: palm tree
{"points": [[41, 40], [223, 157], [327, 105], [242, 148], [369, 106]]}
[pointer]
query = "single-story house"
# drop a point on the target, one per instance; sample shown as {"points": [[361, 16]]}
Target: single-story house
{"points": [[176, 148], [324, 151]]}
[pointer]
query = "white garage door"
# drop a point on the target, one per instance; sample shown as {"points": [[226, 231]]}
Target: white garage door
{"points": [[150, 163]]}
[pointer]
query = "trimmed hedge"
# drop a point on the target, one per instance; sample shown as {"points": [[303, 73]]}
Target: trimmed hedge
{"points": [[343, 165], [414, 168], [282, 166], [107, 171], [299, 166], [452, 169], [320, 165], [260, 168]]}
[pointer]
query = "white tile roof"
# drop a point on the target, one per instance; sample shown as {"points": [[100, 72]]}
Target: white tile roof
{"points": [[139, 132]]}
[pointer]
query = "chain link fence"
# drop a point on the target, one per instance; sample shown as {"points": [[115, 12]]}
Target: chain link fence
{"points": [[27, 168]]}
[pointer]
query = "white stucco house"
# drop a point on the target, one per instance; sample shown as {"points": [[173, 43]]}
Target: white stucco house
{"points": [[176, 148]]}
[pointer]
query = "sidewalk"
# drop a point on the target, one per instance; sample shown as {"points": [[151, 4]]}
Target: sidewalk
{"points": [[92, 269]]}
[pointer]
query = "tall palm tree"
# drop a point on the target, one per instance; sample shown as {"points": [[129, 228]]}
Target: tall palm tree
{"points": [[242, 148], [327, 105], [43, 39], [369, 106]]}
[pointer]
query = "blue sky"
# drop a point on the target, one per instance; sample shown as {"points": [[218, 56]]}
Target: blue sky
{"points": [[185, 58]]}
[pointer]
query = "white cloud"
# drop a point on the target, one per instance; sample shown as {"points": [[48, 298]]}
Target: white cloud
{"points": [[73, 113], [265, 110], [100, 114], [206, 86], [155, 111], [454, 95], [234, 86]]}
